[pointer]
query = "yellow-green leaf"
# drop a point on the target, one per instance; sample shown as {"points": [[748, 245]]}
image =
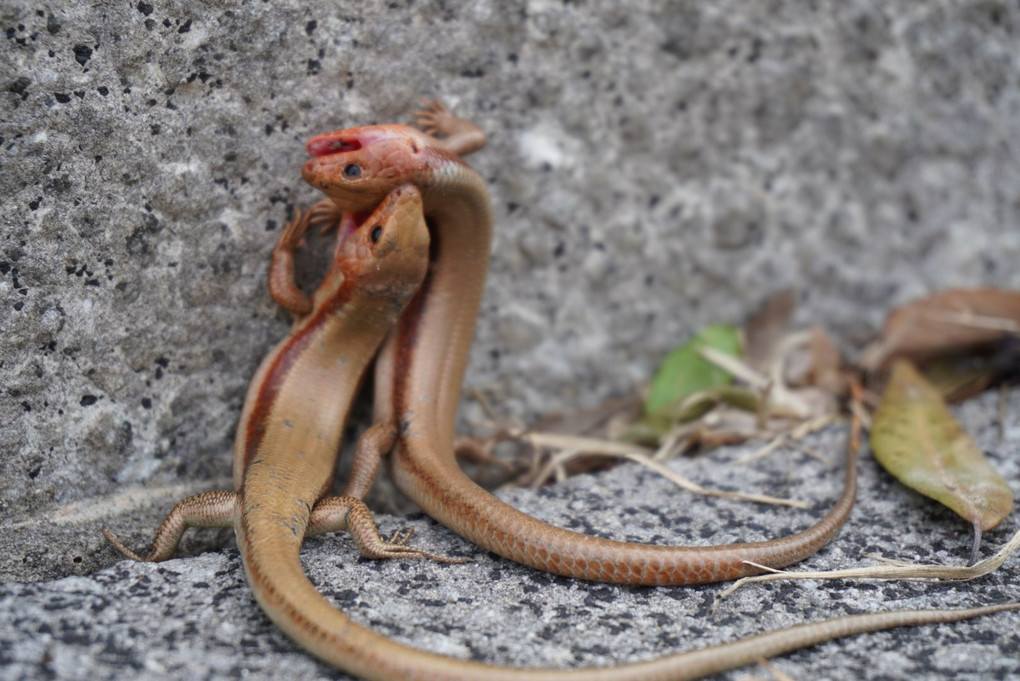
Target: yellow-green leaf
{"points": [[916, 439], [685, 372]]}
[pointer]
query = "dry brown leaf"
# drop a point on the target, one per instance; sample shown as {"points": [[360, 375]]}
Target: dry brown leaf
{"points": [[767, 327], [944, 323], [826, 364]]}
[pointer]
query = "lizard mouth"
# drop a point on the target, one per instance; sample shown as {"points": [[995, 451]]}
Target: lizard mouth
{"points": [[332, 143], [351, 222]]}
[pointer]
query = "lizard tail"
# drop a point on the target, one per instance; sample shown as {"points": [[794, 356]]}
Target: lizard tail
{"points": [[292, 602]]}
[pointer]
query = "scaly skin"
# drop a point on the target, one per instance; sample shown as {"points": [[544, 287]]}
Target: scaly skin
{"points": [[420, 370]]}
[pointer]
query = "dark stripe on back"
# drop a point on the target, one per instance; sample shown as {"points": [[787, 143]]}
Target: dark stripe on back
{"points": [[281, 368]]}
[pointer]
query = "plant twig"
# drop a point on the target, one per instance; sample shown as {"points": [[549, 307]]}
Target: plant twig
{"points": [[896, 570], [763, 452], [575, 446]]}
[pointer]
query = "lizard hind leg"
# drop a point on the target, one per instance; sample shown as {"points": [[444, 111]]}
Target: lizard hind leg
{"points": [[372, 446], [335, 514], [208, 509]]}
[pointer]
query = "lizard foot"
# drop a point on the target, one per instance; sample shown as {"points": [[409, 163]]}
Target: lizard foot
{"points": [[326, 215], [456, 135], [479, 450], [401, 537], [434, 118], [347, 513]]}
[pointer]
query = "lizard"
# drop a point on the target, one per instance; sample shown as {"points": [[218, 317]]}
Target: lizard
{"points": [[285, 453], [289, 433], [420, 368]]}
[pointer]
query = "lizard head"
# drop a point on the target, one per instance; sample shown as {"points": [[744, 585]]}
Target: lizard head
{"points": [[386, 253], [357, 167]]}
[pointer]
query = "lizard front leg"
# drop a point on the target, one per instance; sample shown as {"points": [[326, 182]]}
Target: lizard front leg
{"points": [[282, 285], [456, 135]]}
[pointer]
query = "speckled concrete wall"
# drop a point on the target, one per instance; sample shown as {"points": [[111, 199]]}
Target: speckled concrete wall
{"points": [[653, 167]]}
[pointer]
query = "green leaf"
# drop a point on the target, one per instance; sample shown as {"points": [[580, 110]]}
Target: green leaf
{"points": [[685, 372], [915, 438]]}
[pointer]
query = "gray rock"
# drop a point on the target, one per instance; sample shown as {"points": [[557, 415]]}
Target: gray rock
{"points": [[195, 618]]}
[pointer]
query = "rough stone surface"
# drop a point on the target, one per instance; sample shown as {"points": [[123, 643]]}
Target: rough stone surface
{"points": [[195, 618]]}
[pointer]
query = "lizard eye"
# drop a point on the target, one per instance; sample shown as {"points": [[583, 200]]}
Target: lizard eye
{"points": [[352, 170], [376, 234]]}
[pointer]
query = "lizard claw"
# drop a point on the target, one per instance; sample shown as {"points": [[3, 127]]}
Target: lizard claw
{"points": [[390, 550], [456, 135], [293, 235], [401, 537], [326, 215], [434, 118]]}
